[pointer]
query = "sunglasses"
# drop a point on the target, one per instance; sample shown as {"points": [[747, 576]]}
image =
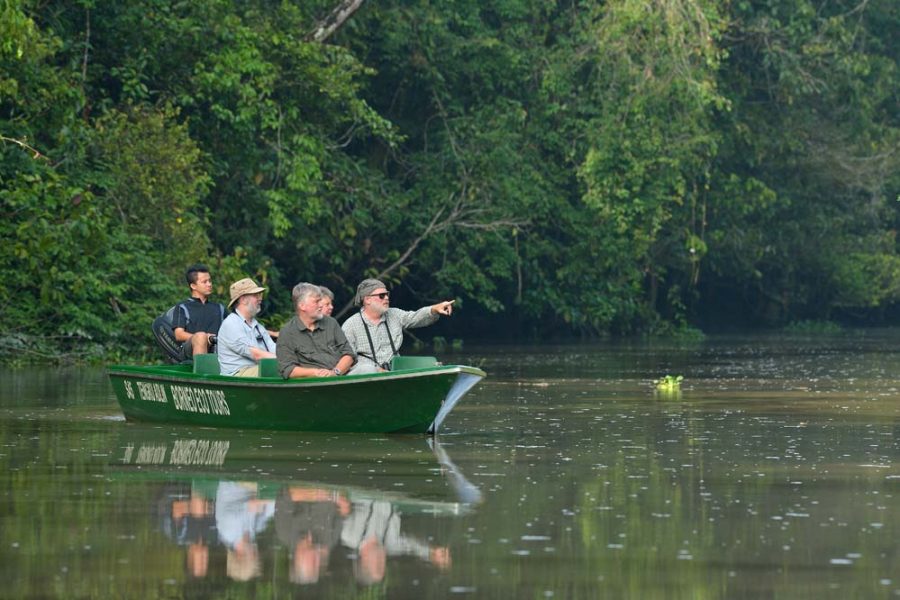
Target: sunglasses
{"points": [[381, 296]]}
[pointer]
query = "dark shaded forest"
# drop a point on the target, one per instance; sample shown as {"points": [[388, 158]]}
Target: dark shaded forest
{"points": [[579, 168]]}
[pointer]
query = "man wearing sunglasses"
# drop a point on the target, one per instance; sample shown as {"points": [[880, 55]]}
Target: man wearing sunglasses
{"points": [[242, 339], [376, 331]]}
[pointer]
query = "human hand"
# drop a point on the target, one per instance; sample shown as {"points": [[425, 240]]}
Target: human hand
{"points": [[443, 308], [440, 557], [324, 373]]}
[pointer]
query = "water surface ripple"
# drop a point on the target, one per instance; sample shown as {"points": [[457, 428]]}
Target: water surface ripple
{"points": [[774, 472]]}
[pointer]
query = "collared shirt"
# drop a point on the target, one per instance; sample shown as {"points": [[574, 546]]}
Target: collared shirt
{"points": [[234, 517], [236, 337], [320, 348], [204, 316], [395, 320], [378, 519]]}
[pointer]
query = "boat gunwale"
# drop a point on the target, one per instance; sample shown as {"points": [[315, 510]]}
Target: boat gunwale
{"points": [[161, 373]]}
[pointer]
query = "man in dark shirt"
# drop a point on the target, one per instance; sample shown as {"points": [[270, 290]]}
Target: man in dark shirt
{"points": [[311, 344], [197, 330]]}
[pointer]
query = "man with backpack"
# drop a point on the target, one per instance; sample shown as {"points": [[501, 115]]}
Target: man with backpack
{"points": [[197, 323]]}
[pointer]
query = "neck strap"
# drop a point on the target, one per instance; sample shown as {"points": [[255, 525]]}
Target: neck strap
{"points": [[372, 344]]}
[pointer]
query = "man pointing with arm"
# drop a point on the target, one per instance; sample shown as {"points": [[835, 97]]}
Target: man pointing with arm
{"points": [[376, 332]]}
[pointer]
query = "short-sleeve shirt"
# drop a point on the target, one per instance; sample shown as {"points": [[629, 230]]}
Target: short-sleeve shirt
{"points": [[204, 316], [320, 348], [236, 337]]}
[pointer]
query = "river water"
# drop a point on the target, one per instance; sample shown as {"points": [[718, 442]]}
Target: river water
{"points": [[774, 472]]}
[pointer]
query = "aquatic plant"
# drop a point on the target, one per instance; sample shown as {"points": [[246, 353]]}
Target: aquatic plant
{"points": [[669, 384]]}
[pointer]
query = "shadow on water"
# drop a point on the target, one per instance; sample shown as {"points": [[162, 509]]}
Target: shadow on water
{"points": [[774, 473]]}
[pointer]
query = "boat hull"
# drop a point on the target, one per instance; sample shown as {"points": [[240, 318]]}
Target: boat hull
{"points": [[414, 401]]}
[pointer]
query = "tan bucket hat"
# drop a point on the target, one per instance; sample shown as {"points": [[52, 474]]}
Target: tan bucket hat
{"points": [[242, 288]]}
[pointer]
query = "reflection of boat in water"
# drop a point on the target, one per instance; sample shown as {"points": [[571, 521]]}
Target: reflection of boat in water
{"points": [[406, 469], [307, 497]]}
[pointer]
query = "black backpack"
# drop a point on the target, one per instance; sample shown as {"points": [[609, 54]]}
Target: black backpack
{"points": [[164, 332]]}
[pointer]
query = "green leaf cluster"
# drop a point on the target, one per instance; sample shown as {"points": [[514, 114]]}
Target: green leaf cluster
{"points": [[559, 168]]}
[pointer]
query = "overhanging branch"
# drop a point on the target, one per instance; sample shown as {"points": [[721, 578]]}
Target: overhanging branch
{"points": [[334, 20]]}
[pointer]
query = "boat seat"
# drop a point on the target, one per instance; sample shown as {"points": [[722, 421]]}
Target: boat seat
{"points": [[403, 363], [206, 364], [268, 367]]}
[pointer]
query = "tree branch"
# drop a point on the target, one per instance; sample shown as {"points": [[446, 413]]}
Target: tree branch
{"points": [[35, 153], [334, 20]]}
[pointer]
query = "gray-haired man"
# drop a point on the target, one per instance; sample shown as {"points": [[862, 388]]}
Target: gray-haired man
{"points": [[243, 340], [311, 344], [376, 331]]}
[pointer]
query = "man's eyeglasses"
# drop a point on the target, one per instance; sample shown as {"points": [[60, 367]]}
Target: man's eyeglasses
{"points": [[380, 296]]}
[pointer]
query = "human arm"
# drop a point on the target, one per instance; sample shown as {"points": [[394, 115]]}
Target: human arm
{"points": [[299, 371], [344, 364], [258, 353], [238, 339], [299, 357], [427, 315], [443, 308], [412, 319], [179, 323], [342, 345]]}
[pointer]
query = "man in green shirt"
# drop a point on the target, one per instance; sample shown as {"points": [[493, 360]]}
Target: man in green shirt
{"points": [[311, 344]]}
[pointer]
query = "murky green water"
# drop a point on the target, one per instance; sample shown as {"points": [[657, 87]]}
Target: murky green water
{"points": [[774, 474]]}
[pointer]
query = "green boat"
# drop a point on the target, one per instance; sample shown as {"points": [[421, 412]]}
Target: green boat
{"points": [[415, 397]]}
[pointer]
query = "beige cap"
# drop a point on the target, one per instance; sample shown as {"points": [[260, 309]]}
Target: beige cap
{"points": [[242, 288]]}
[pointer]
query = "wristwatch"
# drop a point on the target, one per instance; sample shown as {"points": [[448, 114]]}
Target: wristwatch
{"points": [[337, 371]]}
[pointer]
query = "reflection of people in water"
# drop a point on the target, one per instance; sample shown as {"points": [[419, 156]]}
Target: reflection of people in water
{"points": [[240, 516], [187, 518], [308, 521], [373, 530]]}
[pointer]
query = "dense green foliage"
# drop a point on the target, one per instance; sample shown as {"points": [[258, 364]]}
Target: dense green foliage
{"points": [[559, 167]]}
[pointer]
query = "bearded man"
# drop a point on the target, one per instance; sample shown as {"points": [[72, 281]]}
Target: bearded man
{"points": [[243, 341], [376, 331]]}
